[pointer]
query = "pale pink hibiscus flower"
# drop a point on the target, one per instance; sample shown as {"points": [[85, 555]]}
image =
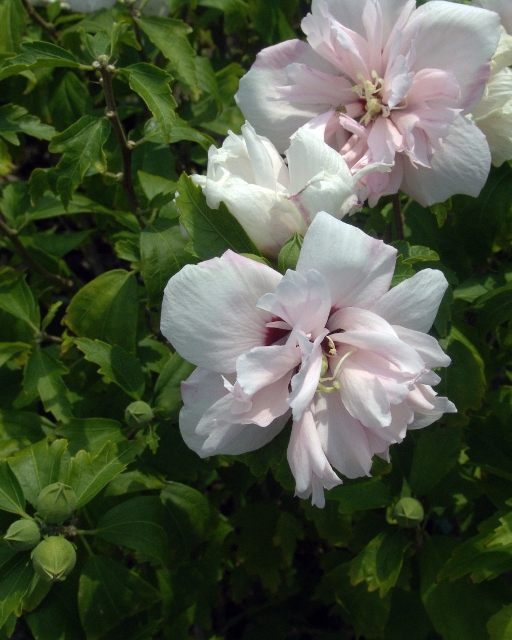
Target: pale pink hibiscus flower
{"points": [[328, 345], [382, 81]]}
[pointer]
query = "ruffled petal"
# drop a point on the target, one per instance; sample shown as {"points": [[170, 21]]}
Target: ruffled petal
{"points": [[445, 27], [263, 366], [357, 268], [202, 391], [308, 462], [343, 438], [426, 346], [461, 166], [413, 303], [259, 95], [209, 311]]}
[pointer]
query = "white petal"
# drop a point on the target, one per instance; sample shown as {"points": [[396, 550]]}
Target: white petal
{"points": [[259, 97], [413, 303], [209, 311], [305, 382], [263, 366], [343, 438], [502, 7], [307, 459], [426, 346], [462, 166], [364, 397], [357, 268], [457, 38]]}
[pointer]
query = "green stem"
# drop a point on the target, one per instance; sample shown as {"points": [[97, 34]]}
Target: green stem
{"points": [[125, 145], [47, 26], [12, 236], [399, 225], [86, 545]]}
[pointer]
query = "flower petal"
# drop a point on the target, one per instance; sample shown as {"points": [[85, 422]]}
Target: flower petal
{"points": [[343, 438], [261, 101], [263, 366], [426, 346], [413, 303], [209, 311], [445, 28], [357, 268], [461, 166]]}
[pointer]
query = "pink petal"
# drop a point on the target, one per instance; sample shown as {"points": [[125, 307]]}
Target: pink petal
{"points": [[357, 268], [263, 366], [364, 397], [260, 99], [343, 438], [354, 319], [209, 311], [456, 38], [426, 346], [305, 382], [413, 303]]}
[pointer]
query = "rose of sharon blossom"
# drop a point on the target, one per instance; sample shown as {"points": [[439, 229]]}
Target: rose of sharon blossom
{"points": [[381, 81], [271, 200], [328, 345], [493, 114]]}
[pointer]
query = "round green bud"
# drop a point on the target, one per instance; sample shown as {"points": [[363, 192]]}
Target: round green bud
{"points": [[408, 512], [56, 503], [54, 558], [23, 535], [138, 414]]}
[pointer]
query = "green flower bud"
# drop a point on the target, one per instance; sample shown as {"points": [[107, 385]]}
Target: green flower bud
{"points": [[23, 535], [138, 414], [408, 512], [56, 503], [54, 558], [289, 254]]}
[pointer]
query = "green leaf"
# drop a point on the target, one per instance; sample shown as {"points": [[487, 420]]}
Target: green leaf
{"points": [[17, 298], [162, 249], [152, 85], [133, 481], [499, 625], [10, 349], [191, 518], [463, 382], [16, 573], [380, 562], [56, 618], [167, 388], [109, 593], [88, 475], [116, 364], [181, 130], [19, 429], [15, 119], [12, 25], [106, 309], [362, 495], [82, 148], [90, 434], [43, 375], [37, 55], [38, 466], [494, 308], [11, 493], [137, 524], [211, 231], [69, 101], [437, 450], [416, 253], [157, 190], [170, 36], [441, 211], [458, 610]]}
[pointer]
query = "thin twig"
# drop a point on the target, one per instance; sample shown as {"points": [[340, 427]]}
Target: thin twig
{"points": [[399, 224], [138, 37], [125, 145], [49, 28], [12, 235]]}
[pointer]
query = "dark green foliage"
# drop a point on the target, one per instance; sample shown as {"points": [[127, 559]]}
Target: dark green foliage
{"points": [[100, 115]]}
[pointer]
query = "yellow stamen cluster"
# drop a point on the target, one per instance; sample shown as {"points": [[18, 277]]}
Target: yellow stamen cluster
{"points": [[321, 388], [367, 90]]}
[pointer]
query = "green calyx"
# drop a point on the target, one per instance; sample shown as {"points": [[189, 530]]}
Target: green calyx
{"points": [[138, 414], [54, 558], [56, 503], [23, 535], [408, 512], [289, 254]]}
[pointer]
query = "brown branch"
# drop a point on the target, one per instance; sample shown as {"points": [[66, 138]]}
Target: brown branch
{"points": [[49, 28], [12, 235], [126, 145], [399, 223]]}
